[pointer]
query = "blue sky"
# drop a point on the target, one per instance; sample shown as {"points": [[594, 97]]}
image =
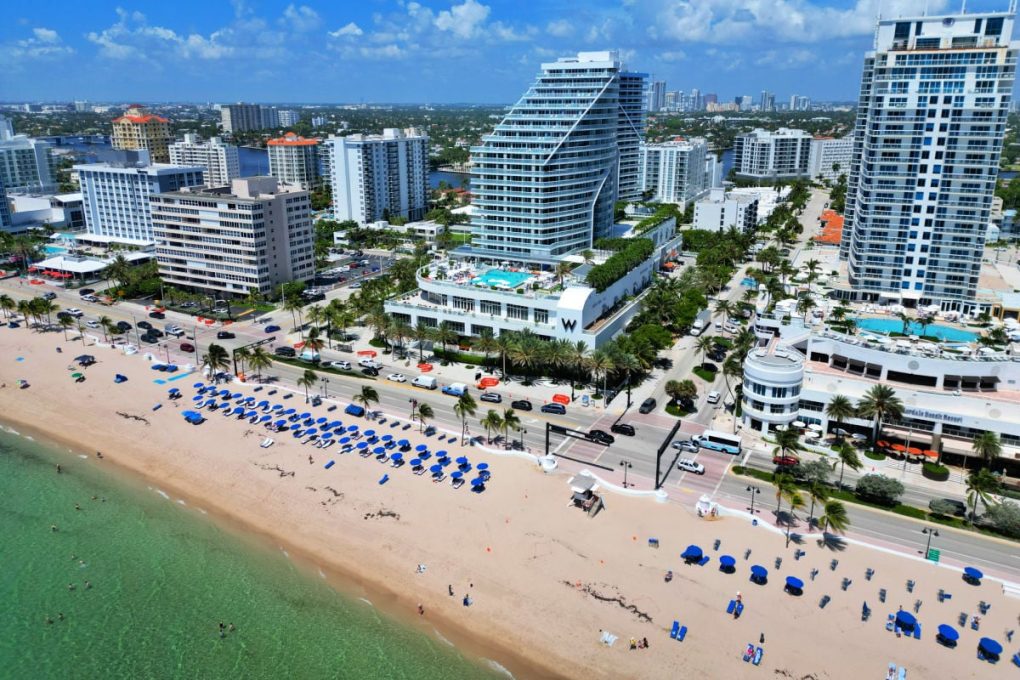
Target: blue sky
{"points": [[428, 50]]}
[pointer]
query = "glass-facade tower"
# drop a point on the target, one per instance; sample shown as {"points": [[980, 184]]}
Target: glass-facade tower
{"points": [[934, 97], [545, 181]]}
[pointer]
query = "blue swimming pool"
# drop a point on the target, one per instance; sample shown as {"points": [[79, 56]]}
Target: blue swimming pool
{"points": [[748, 282], [913, 328], [54, 250], [501, 278]]}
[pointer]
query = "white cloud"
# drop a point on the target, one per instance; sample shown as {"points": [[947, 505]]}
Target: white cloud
{"points": [[46, 35], [671, 56], [506, 33], [300, 18], [351, 29], [463, 20], [45, 43], [561, 28]]}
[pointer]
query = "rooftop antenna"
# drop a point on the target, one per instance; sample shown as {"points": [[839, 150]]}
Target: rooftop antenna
{"points": [[963, 6], [1012, 6]]}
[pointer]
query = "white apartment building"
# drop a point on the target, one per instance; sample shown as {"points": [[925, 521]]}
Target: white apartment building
{"points": [[295, 160], [243, 117], [26, 164], [630, 133], [830, 157], [931, 119], [656, 96], [220, 160], [38, 211], [721, 210], [713, 171], [115, 196], [287, 117], [224, 241], [676, 171], [782, 154], [374, 177], [5, 210]]}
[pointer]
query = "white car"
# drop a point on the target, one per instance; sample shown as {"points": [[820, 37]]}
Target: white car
{"points": [[75, 312], [685, 445], [396, 377], [342, 365], [369, 363], [91, 323], [688, 465]]}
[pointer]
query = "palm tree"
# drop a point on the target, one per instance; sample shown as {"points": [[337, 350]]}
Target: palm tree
{"points": [[421, 334], [601, 363], [106, 323], [216, 360], [787, 443], [8, 304], [25, 309], [905, 320], [839, 409], [524, 353], [704, 345], [242, 355], [444, 334], [259, 360], [81, 331], [724, 307], [576, 358], [254, 297], [981, 484], [785, 488], [312, 341], [672, 390], [879, 403], [307, 380], [510, 421], [562, 269], [465, 406], [819, 493], [424, 412], [367, 396], [505, 344], [847, 456], [294, 305], [316, 315], [492, 422], [65, 323], [988, 447], [117, 271], [486, 343], [834, 519], [629, 364], [805, 303]]}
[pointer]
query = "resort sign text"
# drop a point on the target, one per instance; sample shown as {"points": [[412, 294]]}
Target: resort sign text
{"points": [[932, 415]]}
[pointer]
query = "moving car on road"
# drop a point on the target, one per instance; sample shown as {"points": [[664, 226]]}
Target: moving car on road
{"points": [[225, 335], [342, 365], [521, 404], [285, 352], [688, 465], [558, 409], [272, 329], [187, 347], [686, 445], [601, 437], [369, 363], [491, 397], [397, 377], [623, 428], [647, 406]]}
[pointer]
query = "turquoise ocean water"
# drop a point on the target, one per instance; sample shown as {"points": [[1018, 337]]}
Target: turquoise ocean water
{"points": [[162, 578]]}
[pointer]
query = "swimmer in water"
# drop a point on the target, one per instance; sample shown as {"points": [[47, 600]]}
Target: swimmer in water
{"points": [[231, 628], [70, 586], [53, 527], [59, 469], [88, 585]]}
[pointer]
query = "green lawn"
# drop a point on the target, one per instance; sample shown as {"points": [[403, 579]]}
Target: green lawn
{"points": [[704, 374]]}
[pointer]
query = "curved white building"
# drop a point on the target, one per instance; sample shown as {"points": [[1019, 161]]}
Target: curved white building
{"points": [[772, 384]]}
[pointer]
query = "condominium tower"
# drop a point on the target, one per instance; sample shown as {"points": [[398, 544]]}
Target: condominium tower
{"points": [[656, 96], [26, 164], [931, 119], [255, 233], [295, 160], [545, 181], [220, 160], [138, 129], [762, 154], [375, 177], [243, 117], [675, 171]]}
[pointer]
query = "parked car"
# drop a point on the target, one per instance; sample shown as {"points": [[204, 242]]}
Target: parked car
{"points": [[272, 329], [123, 326], [49, 296], [959, 508], [175, 331], [623, 428], [491, 397], [144, 324], [225, 335], [713, 397], [342, 365], [558, 409], [75, 312], [396, 377], [151, 339], [368, 370], [521, 405], [785, 461], [92, 323], [157, 315], [687, 445], [369, 363], [688, 465], [285, 352], [601, 437], [86, 291], [647, 406], [155, 332], [187, 347]]}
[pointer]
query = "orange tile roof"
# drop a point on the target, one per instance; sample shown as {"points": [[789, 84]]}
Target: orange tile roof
{"points": [[141, 119], [291, 139], [832, 231]]}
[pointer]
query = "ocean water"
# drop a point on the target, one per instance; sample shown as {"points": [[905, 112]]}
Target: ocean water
{"points": [[162, 578]]}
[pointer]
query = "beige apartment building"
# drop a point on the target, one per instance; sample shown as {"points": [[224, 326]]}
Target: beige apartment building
{"points": [[138, 129]]}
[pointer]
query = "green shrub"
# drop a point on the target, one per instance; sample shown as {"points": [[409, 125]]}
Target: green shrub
{"points": [[935, 471], [879, 489], [619, 264]]}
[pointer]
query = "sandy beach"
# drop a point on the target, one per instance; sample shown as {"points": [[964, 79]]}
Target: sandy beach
{"points": [[543, 576]]}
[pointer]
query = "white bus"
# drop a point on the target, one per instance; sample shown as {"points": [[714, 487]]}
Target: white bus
{"points": [[718, 441]]}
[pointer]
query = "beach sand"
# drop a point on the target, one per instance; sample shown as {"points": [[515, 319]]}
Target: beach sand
{"points": [[543, 576]]}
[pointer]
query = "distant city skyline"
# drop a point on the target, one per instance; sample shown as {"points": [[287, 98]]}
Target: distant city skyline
{"points": [[433, 51]]}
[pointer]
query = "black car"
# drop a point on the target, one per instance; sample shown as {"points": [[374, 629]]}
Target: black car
{"points": [[558, 409], [492, 397], [601, 437], [123, 326], [157, 315], [285, 352], [225, 335], [717, 355], [623, 428], [647, 406], [151, 339], [61, 315], [86, 291], [154, 332], [144, 324], [368, 370], [521, 405], [315, 297]]}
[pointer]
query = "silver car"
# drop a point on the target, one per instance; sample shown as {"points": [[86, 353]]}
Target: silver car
{"points": [[686, 445], [688, 465]]}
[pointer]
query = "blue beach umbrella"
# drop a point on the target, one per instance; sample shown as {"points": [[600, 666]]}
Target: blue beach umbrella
{"points": [[322, 419], [482, 466], [462, 460], [362, 445], [310, 431], [198, 385], [692, 552], [224, 393], [387, 437], [990, 646], [197, 397], [415, 462], [263, 403], [281, 423], [352, 428], [290, 411], [266, 418], [457, 475], [277, 407], [477, 482], [396, 456], [759, 573], [251, 414], [327, 435], [238, 410], [794, 582], [334, 424], [306, 414], [725, 562], [948, 633], [441, 454], [369, 433], [236, 395], [403, 442], [225, 404], [379, 450], [421, 447], [436, 469], [344, 440], [172, 390], [972, 573], [904, 618]]}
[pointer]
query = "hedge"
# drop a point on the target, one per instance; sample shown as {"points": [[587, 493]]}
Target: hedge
{"points": [[619, 264]]}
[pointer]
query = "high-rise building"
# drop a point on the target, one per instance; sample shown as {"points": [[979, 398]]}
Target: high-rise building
{"points": [[220, 160], [295, 160], [5, 209], [243, 117], [676, 171], [799, 103], [375, 177], [287, 117], [931, 118], [767, 102], [746, 102], [26, 164], [656, 96], [138, 129], [82, 106], [256, 233], [772, 155], [630, 133], [319, 121], [830, 157], [671, 99], [6, 129], [721, 210], [565, 133], [710, 98], [115, 195]]}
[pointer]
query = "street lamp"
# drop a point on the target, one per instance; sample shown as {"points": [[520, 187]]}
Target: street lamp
{"points": [[930, 533], [626, 465], [754, 491], [325, 387], [523, 432]]}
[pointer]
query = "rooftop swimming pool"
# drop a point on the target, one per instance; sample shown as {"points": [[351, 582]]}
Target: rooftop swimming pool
{"points": [[501, 278], [946, 333], [54, 250]]}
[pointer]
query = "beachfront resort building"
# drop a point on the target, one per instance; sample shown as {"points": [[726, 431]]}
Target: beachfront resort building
{"points": [[295, 160], [115, 195], [934, 98], [375, 177], [722, 210], [676, 171], [243, 117], [139, 129], [830, 157], [26, 164], [224, 241], [771, 155], [221, 161]]}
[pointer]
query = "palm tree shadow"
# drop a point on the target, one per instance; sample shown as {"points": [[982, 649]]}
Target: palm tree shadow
{"points": [[832, 542]]}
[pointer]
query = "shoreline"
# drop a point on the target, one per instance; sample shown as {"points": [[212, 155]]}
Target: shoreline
{"points": [[340, 577]]}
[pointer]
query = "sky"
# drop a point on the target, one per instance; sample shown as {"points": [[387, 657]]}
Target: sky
{"points": [[430, 51]]}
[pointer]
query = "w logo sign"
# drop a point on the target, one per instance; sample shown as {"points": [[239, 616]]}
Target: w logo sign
{"points": [[569, 325]]}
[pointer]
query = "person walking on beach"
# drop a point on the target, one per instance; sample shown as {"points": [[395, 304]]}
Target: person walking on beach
{"points": [[421, 610], [450, 588], [761, 639]]}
